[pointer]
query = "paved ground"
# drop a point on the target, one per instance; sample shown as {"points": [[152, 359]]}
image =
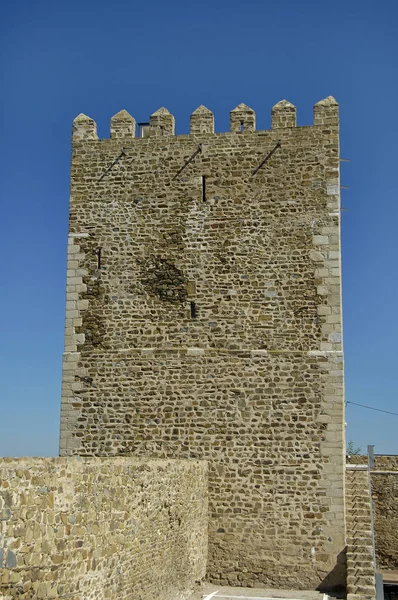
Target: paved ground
{"points": [[213, 592]]}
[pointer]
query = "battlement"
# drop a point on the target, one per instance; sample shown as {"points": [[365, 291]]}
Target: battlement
{"points": [[242, 121]]}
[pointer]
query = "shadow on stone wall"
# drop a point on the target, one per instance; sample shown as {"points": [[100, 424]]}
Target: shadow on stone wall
{"points": [[333, 581]]}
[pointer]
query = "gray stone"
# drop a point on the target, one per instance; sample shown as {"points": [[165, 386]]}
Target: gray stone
{"points": [[11, 560], [335, 337]]}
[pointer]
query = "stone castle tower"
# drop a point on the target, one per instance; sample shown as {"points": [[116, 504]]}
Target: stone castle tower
{"points": [[204, 321]]}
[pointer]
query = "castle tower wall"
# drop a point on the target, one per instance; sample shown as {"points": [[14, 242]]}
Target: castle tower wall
{"points": [[204, 321]]}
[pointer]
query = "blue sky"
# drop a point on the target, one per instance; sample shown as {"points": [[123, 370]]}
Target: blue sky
{"points": [[58, 59]]}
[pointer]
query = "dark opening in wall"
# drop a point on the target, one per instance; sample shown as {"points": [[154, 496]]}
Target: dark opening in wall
{"points": [[203, 188], [193, 310]]}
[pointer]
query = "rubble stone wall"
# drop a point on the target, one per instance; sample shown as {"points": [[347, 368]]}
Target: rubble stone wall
{"points": [[204, 321], [384, 485], [109, 528], [385, 509], [361, 582]]}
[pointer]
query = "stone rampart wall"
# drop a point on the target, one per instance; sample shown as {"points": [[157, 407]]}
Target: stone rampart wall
{"points": [[111, 528]]}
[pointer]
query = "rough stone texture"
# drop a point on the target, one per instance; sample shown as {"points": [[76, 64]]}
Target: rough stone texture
{"points": [[384, 479], [202, 120], [96, 529], [385, 510], [122, 125], [242, 119], [283, 115], [361, 583], [212, 329], [161, 123]]}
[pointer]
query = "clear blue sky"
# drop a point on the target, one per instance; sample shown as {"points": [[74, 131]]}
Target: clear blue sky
{"points": [[62, 58]]}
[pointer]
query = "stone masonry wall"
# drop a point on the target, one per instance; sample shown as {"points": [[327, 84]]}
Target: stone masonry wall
{"points": [[204, 321], [361, 583], [384, 479], [384, 485], [110, 528]]}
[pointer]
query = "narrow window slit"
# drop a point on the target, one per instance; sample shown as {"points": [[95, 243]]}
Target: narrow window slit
{"points": [[99, 258], [193, 310], [203, 188], [242, 127]]}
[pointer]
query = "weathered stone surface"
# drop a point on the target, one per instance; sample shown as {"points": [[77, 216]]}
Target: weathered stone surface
{"points": [[122, 125], [211, 328], [385, 508], [84, 128], [162, 123], [326, 112], [242, 119], [202, 121], [384, 479], [118, 528], [361, 583], [283, 115], [11, 560]]}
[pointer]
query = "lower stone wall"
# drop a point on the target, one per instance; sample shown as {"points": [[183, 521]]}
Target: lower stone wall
{"points": [[109, 528], [384, 480], [270, 425], [361, 583], [385, 508]]}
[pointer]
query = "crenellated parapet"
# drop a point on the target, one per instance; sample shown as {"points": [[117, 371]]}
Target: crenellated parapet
{"points": [[161, 123], [84, 128], [122, 126], [326, 112], [242, 121], [202, 120], [283, 115]]}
